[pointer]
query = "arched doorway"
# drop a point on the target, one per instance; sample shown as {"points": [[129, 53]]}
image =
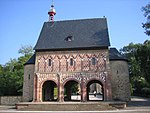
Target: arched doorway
{"points": [[72, 91], [95, 91], [49, 91]]}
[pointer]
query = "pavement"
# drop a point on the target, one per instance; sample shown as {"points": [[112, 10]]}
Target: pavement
{"points": [[136, 105], [139, 102]]}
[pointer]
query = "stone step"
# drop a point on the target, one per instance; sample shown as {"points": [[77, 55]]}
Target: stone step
{"points": [[66, 106]]}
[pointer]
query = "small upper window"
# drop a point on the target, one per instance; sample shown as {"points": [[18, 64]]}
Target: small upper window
{"points": [[93, 61], [29, 76], [69, 38], [71, 62], [49, 62]]}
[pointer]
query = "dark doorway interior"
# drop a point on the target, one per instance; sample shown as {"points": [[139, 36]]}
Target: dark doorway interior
{"points": [[49, 91], [72, 91], [95, 91]]}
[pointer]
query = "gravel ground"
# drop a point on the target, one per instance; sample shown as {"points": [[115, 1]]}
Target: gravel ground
{"points": [[135, 103]]}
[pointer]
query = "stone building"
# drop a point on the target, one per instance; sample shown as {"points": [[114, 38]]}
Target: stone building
{"points": [[70, 58]]}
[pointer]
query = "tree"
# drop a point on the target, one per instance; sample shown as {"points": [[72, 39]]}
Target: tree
{"points": [[130, 52], [144, 60], [11, 74], [146, 25], [139, 64], [26, 50]]}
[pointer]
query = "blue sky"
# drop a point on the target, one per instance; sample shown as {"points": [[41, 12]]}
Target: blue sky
{"points": [[21, 21]]}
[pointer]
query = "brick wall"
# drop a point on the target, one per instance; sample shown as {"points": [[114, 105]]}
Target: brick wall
{"points": [[61, 61], [49, 65]]}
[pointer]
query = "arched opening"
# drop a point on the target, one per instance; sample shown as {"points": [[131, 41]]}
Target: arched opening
{"points": [[95, 91], [72, 91], [49, 91]]}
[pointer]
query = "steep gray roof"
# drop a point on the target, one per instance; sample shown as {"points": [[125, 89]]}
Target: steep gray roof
{"points": [[73, 34], [115, 55], [31, 60]]}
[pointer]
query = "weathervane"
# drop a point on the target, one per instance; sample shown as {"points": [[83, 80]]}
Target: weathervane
{"points": [[52, 12]]}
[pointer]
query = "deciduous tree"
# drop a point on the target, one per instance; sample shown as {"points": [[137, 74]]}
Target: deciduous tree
{"points": [[146, 25], [11, 74], [139, 64]]}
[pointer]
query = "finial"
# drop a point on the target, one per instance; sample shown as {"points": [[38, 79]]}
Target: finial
{"points": [[52, 12]]}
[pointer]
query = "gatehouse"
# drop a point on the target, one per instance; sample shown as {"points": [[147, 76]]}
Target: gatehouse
{"points": [[73, 61]]}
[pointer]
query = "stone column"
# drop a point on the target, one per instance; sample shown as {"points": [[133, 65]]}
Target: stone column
{"points": [[61, 93], [84, 93], [83, 90], [60, 89], [107, 89], [108, 94], [58, 86], [35, 89], [38, 94]]}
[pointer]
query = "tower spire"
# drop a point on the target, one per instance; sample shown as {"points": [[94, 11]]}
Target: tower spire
{"points": [[52, 12]]}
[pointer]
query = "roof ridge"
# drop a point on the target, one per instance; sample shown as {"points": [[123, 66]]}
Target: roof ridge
{"points": [[77, 20]]}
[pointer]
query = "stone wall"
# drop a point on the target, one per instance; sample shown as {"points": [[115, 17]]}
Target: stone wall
{"points": [[28, 82], [120, 80], [10, 100]]}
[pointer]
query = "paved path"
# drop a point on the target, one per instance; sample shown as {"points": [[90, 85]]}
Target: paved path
{"points": [[137, 105], [139, 102], [115, 111]]}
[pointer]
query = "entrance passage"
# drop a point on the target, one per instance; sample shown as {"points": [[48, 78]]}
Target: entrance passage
{"points": [[72, 91], [95, 91], [49, 91]]}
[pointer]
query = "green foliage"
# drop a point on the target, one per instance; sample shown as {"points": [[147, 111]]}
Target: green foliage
{"points": [[139, 65], [146, 91], [55, 93], [11, 75], [146, 25], [26, 50], [144, 60], [74, 88], [131, 89]]}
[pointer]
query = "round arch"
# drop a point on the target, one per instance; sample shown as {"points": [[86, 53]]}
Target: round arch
{"points": [[72, 90], [70, 79], [49, 91], [43, 81], [95, 90]]}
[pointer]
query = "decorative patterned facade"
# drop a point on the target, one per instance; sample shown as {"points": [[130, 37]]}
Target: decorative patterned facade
{"points": [[57, 67]]}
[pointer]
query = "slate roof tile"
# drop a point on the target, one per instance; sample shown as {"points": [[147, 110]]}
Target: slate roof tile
{"points": [[115, 55], [31, 60], [84, 33]]}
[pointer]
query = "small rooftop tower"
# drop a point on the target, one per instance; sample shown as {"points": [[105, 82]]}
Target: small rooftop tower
{"points": [[51, 13]]}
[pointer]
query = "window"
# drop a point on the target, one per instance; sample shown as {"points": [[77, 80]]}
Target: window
{"points": [[49, 62], [69, 38], [93, 61], [29, 76], [71, 62]]}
